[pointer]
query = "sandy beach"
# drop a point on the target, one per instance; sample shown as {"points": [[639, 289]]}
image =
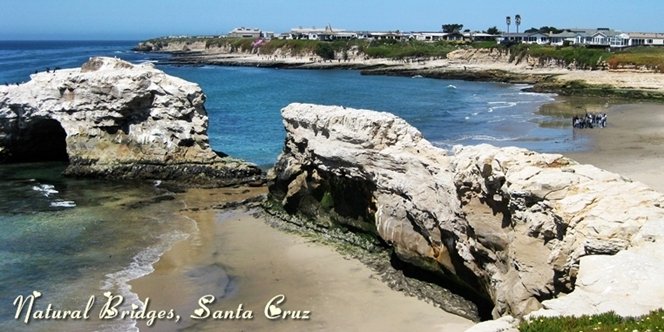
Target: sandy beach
{"points": [[241, 260], [631, 144]]}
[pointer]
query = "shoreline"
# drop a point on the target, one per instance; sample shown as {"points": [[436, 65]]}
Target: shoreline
{"points": [[618, 148], [241, 259], [630, 146], [552, 79], [198, 266]]}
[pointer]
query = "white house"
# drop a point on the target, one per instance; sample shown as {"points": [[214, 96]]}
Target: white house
{"points": [[243, 32], [326, 33], [306, 33], [559, 39], [646, 39], [602, 37], [525, 38], [389, 35], [427, 36]]}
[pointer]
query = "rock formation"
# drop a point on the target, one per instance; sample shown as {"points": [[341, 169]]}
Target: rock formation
{"points": [[113, 119], [519, 227]]}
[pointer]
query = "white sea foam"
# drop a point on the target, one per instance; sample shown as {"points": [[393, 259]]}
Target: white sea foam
{"points": [[46, 189], [417, 76], [549, 96], [485, 138], [501, 104], [452, 86], [62, 203], [141, 265]]}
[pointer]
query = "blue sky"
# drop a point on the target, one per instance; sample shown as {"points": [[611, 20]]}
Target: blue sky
{"points": [[140, 19]]}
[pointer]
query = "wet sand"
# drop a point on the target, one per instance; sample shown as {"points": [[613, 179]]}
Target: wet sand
{"points": [[631, 145], [241, 260]]}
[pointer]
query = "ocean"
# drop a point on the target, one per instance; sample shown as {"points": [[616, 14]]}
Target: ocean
{"points": [[72, 238]]}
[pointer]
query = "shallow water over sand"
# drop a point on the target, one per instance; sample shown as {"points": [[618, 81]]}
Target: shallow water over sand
{"points": [[104, 236]]}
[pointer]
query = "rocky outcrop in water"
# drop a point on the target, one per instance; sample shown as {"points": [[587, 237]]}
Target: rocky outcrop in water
{"points": [[113, 119], [520, 228]]}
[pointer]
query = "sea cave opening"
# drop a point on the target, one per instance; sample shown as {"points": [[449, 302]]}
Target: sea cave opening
{"points": [[41, 140]]}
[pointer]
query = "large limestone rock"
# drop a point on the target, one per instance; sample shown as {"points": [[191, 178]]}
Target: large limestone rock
{"points": [[569, 227], [518, 227], [110, 118]]}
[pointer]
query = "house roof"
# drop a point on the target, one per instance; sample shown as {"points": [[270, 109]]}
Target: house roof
{"points": [[523, 35], [644, 35], [428, 33], [564, 34], [481, 34], [515, 35], [592, 32]]}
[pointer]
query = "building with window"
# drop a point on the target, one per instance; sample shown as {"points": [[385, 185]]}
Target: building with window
{"points": [[428, 36], [524, 38], [327, 34], [646, 39], [601, 37], [243, 32]]}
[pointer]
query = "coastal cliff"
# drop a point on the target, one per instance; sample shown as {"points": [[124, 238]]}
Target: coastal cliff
{"points": [[528, 231], [113, 119], [577, 71]]}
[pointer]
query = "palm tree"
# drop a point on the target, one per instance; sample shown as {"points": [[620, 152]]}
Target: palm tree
{"points": [[508, 20], [517, 21]]}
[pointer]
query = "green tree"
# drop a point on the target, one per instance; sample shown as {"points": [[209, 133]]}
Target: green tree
{"points": [[451, 28], [493, 30], [546, 29]]}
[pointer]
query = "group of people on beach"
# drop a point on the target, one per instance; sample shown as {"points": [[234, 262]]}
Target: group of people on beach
{"points": [[590, 120]]}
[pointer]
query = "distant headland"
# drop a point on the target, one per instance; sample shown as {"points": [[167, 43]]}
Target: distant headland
{"points": [[624, 65]]}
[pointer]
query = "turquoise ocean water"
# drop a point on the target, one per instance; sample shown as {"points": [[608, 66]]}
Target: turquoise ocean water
{"points": [[70, 239]]}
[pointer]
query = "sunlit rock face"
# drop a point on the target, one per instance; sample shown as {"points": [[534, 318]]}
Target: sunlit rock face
{"points": [[113, 119], [521, 228]]}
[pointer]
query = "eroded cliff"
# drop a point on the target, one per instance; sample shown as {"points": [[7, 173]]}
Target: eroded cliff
{"points": [[518, 227]]}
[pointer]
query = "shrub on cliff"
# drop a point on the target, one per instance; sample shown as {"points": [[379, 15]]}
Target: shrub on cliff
{"points": [[325, 51], [646, 57], [399, 50], [584, 58]]}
